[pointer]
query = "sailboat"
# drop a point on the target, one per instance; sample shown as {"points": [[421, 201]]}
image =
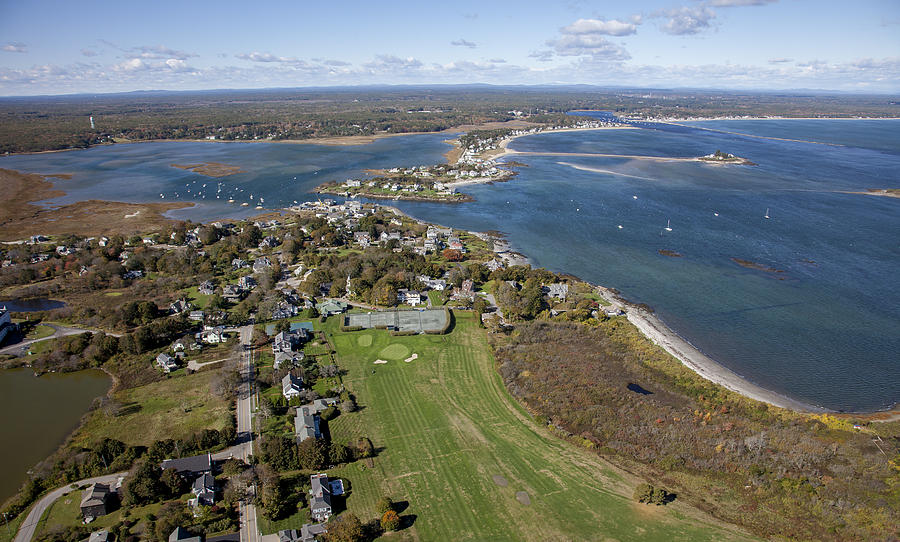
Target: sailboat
{"points": [[767, 214], [668, 225]]}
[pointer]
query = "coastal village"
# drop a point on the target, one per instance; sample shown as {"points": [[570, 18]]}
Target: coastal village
{"points": [[472, 162], [278, 346], [283, 294]]}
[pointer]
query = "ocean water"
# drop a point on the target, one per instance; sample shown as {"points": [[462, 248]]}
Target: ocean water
{"points": [[821, 325], [278, 172]]}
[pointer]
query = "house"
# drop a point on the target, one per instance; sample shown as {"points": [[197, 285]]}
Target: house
{"points": [[268, 242], [291, 386], [362, 238], [320, 500], [307, 533], [410, 297], [288, 341], [179, 307], [213, 335], [306, 423], [232, 293], [433, 284], [95, 501], [100, 536], [238, 263], [613, 311], [204, 490], [196, 316], [262, 265], [494, 265], [136, 274], [284, 310], [329, 307], [466, 291], [180, 534], [247, 282], [189, 467], [6, 324], [207, 287], [290, 358], [166, 362], [558, 290]]}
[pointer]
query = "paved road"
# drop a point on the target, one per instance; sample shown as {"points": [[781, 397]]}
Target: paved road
{"points": [[246, 397], [26, 530], [60, 331]]}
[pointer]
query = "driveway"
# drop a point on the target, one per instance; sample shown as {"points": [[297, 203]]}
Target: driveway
{"points": [[26, 530]]}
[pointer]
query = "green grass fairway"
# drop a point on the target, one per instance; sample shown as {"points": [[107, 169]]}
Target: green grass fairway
{"points": [[172, 408], [364, 340], [453, 443], [398, 350]]}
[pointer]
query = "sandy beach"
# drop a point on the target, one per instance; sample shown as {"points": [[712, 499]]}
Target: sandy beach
{"points": [[655, 330]]}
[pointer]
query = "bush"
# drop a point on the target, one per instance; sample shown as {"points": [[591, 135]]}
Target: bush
{"points": [[384, 504], [648, 494], [390, 521], [329, 414]]}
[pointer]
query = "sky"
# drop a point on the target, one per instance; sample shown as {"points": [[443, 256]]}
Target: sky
{"points": [[88, 46]]}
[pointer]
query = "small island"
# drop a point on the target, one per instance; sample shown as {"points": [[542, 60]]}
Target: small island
{"points": [[437, 183], [211, 169], [720, 157]]}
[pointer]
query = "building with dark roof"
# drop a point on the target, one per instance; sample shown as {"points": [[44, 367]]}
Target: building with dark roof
{"points": [[95, 501], [320, 497], [189, 466]]}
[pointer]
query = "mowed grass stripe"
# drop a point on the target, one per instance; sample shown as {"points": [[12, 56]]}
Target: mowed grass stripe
{"points": [[447, 425]]}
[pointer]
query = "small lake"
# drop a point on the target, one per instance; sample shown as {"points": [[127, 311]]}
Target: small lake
{"points": [[37, 414], [32, 305]]}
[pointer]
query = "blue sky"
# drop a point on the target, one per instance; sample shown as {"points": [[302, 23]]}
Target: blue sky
{"points": [[89, 46]]}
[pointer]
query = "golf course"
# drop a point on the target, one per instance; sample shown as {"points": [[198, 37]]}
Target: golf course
{"points": [[466, 462]]}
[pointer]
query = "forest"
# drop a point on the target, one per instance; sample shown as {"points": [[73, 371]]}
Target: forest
{"points": [[31, 124]]}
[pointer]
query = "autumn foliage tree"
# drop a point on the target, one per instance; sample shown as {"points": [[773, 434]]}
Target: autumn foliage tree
{"points": [[390, 521]]}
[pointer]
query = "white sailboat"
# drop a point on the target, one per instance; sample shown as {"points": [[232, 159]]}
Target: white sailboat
{"points": [[668, 225], [767, 214]]}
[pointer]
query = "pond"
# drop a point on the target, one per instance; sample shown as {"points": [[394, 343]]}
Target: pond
{"points": [[32, 305], [37, 413]]}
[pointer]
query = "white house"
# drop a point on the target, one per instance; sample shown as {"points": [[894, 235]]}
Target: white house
{"points": [[291, 386]]}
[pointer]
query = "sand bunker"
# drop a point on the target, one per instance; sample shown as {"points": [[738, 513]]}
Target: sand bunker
{"points": [[500, 481], [380, 362], [523, 497], [412, 357]]}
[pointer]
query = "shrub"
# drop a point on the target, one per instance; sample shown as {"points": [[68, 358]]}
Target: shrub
{"points": [[390, 521], [384, 504]]}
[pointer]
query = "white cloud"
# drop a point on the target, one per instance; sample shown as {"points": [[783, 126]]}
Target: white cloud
{"points": [[159, 52], [130, 65], [542, 56], [463, 43], [597, 26], [686, 21], [391, 62], [497, 60], [780, 60], [588, 44], [133, 65], [15, 47], [88, 52]]}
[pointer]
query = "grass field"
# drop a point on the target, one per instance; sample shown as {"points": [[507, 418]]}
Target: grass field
{"points": [[173, 408], [40, 331], [471, 464], [66, 512]]}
